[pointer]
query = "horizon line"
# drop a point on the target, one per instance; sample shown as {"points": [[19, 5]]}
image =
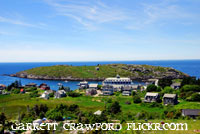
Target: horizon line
{"points": [[102, 61]]}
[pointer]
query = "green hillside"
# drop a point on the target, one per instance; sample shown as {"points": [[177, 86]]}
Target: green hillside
{"points": [[100, 72]]}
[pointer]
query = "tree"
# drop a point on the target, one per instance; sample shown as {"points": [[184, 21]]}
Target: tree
{"points": [[137, 99], [168, 90], [115, 107], [193, 88], [151, 88], [133, 93], [195, 97], [189, 81], [165, 82], [2, 119]]}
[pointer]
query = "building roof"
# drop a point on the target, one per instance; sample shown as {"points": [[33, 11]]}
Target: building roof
{"points": [[176, 84], [31, 84], [118, 79], [191, 112], [2, 85], [151, 94], [61, 92], [93, 85], [98, 112], [83, 82], [169, 96]]}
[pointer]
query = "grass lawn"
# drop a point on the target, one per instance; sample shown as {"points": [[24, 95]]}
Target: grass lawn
{"points": [[14, 104]]}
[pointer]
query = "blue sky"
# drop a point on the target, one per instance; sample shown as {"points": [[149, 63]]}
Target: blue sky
{"points": [[99, 30]]}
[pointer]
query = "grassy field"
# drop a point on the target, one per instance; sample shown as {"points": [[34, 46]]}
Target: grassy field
{"points": [[12, 104]]}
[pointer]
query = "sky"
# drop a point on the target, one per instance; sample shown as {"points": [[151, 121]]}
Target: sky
{"points": [[99, 30]]}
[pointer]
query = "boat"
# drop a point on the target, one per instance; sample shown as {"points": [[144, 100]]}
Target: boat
{"points": [[60, 84], [66, 81]]}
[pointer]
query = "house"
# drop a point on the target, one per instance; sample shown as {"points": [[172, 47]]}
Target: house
{"points": [[107, 90], [193, 113], [83, 85], [22, 91], [60, 94], [152, 81], [93, 86], [44, 86], [170, 99], [45, 95], [126, 90], [117, 81], [151, 97], [176, 85], [2, 86], [31, 85], [98, 112], [0, 91], [91, 91]]}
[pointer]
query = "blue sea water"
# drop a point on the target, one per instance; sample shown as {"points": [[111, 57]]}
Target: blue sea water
{"points": [[190, 67]]}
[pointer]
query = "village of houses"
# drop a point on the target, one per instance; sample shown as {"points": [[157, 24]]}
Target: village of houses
{"points": [[109, 87]]}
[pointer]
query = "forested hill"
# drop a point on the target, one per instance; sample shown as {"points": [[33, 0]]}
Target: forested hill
{"points": [[99, 72]]}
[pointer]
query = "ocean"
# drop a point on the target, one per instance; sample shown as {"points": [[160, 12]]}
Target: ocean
{"points": [[190, 67]]}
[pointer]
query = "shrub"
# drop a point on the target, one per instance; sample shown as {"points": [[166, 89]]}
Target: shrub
{"points": [[164, 82], [137, 99], [193, 88], [34, 94], [73, 94], [15, 91], [195, 97], [31, 89], [114, 107], [151, 88], [133, 93], [167, 90]]}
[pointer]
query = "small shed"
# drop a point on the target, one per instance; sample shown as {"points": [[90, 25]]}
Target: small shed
{"points": [[91, 92], [60, 94], [170, 99], [98, 112], [2, 86], [151, 97], [45, 95], [93, 86], [193, 113], [31, 85], [175, 85]]}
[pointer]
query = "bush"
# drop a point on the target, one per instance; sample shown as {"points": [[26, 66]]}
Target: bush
{"points": [[31, 89], [15, 91], [168, 90], [195, 97], [34, 94], [51, 94], [117, 93], [193, 88], [151, 88], [133, 93], [73, 94], [164, 82], [114, 108], [54, 115], [137, 99]]}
